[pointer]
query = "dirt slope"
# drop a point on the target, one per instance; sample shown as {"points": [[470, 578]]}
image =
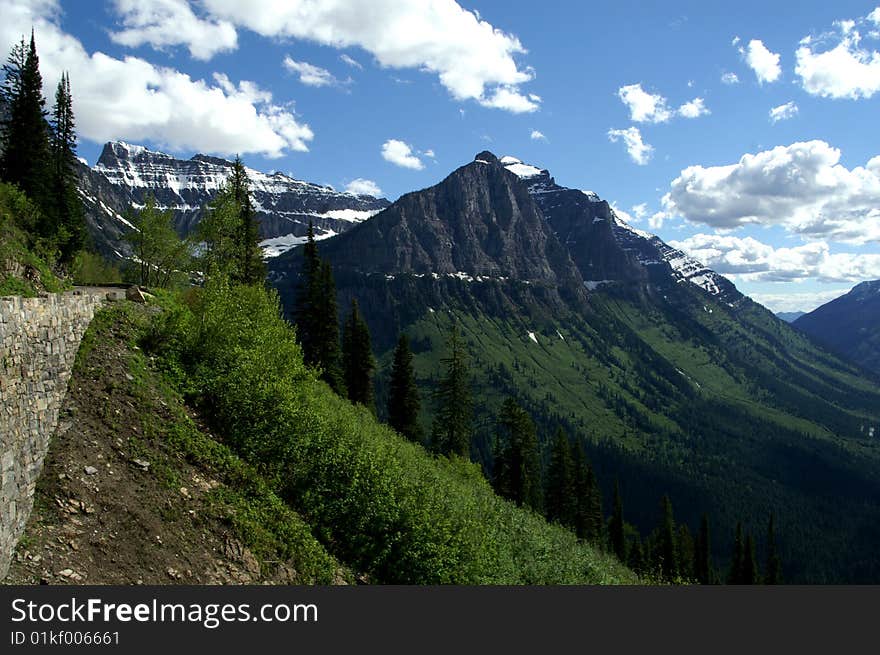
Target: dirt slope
{"points": [[133, 493]]}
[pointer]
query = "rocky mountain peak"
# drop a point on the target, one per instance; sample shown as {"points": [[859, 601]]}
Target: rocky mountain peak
{"points": [[486, 157], [125, 174]]}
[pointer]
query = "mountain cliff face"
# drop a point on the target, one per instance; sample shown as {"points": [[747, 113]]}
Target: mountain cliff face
{"points": [[126, 175], [606, 249], [674, 381], [849, 325]]}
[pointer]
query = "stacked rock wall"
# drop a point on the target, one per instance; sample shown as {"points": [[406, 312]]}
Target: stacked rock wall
{"points": [[39, 338]]}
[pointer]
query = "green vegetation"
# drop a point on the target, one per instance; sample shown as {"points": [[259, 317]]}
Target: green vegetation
{"points": [[404, 401], [729, 412], [378, 502], [517, 470], [244, 499], [453, 430], [25, 259], [316, 317], [161, 255], [357, 359], [230, 232], [38, 156]]}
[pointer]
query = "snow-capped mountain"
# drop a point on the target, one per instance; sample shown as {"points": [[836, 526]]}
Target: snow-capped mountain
{"points": [[605, 247], [125, 175]]}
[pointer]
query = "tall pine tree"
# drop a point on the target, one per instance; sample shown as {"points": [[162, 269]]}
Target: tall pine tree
{"points": [[703, 553], [327, 353], [750, 565], [404, 403], [250, 268], [357, 357], [773, 569], [616, 526], [67, 210], [517, 461], [453, 424], [308, 299], [735, 575], [589, 520], [25, 131], [560, 496], [668, 559]]}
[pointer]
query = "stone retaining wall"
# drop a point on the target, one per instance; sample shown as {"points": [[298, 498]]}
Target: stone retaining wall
{"points": [[39, 338]]}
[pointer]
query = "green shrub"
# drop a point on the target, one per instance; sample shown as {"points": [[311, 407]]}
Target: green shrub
{"points": [[380, 503]]}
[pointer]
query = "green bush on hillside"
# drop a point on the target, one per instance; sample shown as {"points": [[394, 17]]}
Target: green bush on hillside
{"points": [[380, 503], [25, 260]]}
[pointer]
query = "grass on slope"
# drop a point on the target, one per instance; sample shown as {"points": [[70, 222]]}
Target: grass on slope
{"points": [[382, 505]]}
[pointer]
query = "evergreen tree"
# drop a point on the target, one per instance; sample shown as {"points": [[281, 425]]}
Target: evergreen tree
{"points": [[735, 575], [666, 544], [560, 494], [327, 351], [25, 131], [616, 526], [357, 356], [773, 570], [68, 217], [685, 549], [636, 559], [250, 268], [453, 424], [702, 553], [308, 298], [231, 233], [589, 521], [404, 403], [518, 462], [217, 231], [749, 566]]}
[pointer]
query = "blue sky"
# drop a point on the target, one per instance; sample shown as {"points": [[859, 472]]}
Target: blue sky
{"points": [[643, 103]]}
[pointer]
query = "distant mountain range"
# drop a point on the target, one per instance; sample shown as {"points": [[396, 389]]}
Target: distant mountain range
{"points": [[125, 175], [849, 325], [676, 382]]}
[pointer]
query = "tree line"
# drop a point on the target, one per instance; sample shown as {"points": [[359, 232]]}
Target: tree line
{"points": [[564, 488]]}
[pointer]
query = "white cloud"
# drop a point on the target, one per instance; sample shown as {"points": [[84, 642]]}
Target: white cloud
{"points": [[761, 60], [401, 154], [804, 301], [537, 136], [729, 78], [655, 221], [647, 107], [694, 109], [644, 107], [750, 260], [362, 187], [309, 74], [783, 112], [429, 153], [350, 61], [133, 99], [147, 22], [510, 99], [640, 211], [847, 70], [639, 151], [801, 187], [473, 59]]}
